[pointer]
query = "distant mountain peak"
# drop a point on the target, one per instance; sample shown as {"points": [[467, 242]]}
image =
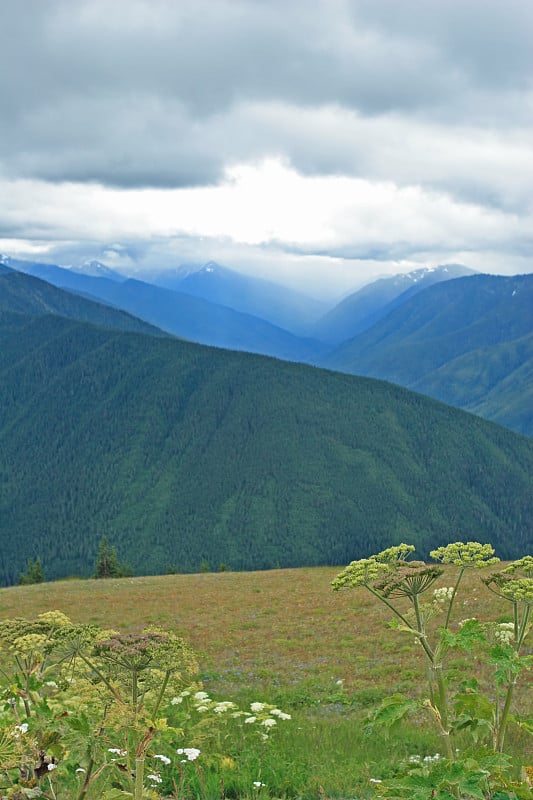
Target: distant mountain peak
{"points": [[96, 269]]}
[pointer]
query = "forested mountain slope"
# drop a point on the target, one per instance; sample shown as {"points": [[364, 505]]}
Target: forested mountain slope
{"points": [[181, 453], [363, 308], [182, 314], [29, 295], [468, 342]]}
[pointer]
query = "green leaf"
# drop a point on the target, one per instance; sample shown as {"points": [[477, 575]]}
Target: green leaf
{"points": [[474, 704], [391, 712], [115, 794]]}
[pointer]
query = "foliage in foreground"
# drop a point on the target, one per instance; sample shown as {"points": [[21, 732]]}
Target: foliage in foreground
{"points": [[471, 719], [88, 713]]}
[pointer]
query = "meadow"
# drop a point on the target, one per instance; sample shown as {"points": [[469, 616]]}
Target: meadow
{"points": [[284, 637]]}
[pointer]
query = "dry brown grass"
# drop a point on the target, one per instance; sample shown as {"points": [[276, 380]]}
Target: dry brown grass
{"points": [[280, 627]]}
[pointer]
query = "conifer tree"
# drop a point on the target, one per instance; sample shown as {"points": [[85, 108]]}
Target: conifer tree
{"points": [[107, 565], [34, 572]]}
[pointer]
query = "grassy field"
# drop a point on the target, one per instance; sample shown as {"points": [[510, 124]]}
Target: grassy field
{"points": [[285, 637]]}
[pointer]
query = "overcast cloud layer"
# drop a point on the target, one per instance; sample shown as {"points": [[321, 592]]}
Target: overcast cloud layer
{"points": [[323, 141]]}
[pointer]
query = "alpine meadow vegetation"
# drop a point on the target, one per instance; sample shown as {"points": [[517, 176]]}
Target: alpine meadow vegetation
{"points": [[471, 707], [170, 702], [89, 713]]}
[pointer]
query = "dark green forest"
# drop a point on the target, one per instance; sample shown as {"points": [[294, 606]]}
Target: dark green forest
{"points": [[183, 455], [467, 342]]}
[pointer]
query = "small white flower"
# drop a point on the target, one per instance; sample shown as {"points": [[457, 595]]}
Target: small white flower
{"points": [[375, 780], [51, 767], [176, 701], [202, 709], [23, 728], [81, 770], [257, 707], [192, 753], [443, 594], [269, 722], [280, 714], [116, 750], [201, 696], [258, 784], [249, 720], [155, 778], [162, 758], [225, 705]]}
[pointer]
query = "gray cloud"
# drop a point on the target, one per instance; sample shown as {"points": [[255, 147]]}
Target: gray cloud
{"points": [[159, 93], [423, 95]]}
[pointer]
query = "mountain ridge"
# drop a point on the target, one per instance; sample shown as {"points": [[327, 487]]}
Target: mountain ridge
{"points": [[182, 453]]}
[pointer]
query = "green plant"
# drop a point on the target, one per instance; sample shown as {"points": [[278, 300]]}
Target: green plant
{"points": [[34, 572], [472, 719], [107, 563], [98, 714]]}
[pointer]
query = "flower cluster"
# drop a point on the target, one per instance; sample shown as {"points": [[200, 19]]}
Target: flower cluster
{"points": [[471, 554], [360, 573], [426, 760], [443, 594], [190, 753], [504, 633]]}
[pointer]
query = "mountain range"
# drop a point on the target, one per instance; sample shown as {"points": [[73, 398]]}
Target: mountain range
{"points": [[361, 309], [183, 454], [442, 331], [184, 315], [467, 342]]}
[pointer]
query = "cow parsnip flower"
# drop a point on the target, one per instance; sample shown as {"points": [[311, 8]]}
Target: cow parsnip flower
{"points": [[524, 567], [394, 554], [360, 573], [520, 590], [469, 554]]}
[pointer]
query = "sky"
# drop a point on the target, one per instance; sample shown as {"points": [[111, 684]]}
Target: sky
{"points": [[318, 143]]}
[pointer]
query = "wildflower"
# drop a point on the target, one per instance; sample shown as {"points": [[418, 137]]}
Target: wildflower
{"points": [[258, 784], [464, 621], [220, 708], [162, 758], [192, 753], [443, 594], [202, 709], [360, 573], [55, 618], [375, 780], [399, 552], [280, 714], [249, 720], [22, 729], [176, 701], [201, 696], [504, 632], [257, 707], [51, 766], [269, 722], [117, 751], [155, 778], [471, 554]]}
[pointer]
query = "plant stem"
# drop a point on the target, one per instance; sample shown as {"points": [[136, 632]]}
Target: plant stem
{"points": [[500, 733], [455, 588], [139, 778], [161, 693]]}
